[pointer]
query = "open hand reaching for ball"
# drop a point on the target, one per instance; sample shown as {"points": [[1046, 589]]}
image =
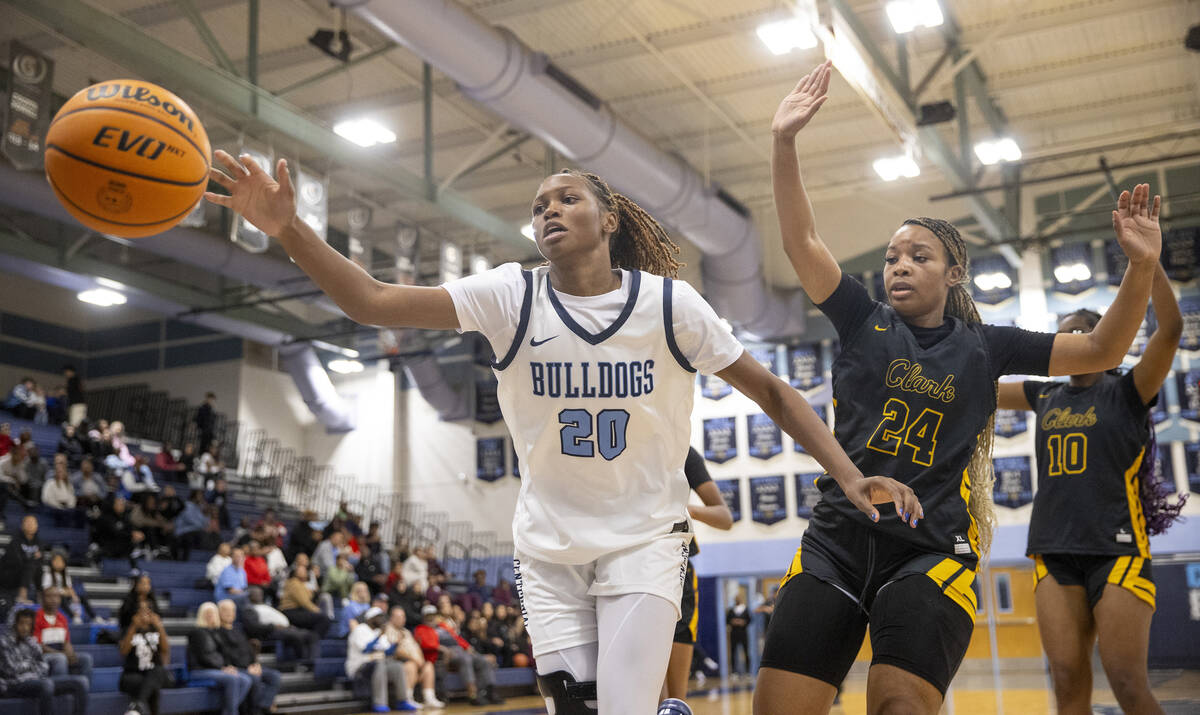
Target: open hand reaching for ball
{"points": [[265, 202]]}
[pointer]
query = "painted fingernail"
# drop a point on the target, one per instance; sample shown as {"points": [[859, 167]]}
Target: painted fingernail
{"points": [[875, 517]]}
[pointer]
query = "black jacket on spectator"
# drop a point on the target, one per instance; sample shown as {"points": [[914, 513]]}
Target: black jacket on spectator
{"points": [[236, 646], [20, 565], [204, 650], [75, 394], [170, 507], [301, 540], [111, 531], [366, 570], [72, 447]]}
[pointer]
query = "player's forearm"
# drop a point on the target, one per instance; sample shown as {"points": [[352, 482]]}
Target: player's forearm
{"points": [[1115, 332], [718, 517], [343, 280], [1166, 308], [797, 222]]}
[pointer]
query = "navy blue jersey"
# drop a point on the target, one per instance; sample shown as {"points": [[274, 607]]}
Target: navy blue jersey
{"points": [[1090, 445], [910, 403]]}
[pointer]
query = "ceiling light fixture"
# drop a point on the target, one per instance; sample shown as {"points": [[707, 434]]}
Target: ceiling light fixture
{"points": [[783, 36], [102, 297], [907, 15], [364, 132], [345, 367], [997, 150], [997, 280], [893, 167], [1072, 272]]}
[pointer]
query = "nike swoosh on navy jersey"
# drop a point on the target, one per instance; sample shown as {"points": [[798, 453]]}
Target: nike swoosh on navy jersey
{"points": [[534, 342], [883, 328]]}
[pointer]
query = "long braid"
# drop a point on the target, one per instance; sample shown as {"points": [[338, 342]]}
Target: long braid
{"points": [[980, 471], [1154, 491], [639, 242]]}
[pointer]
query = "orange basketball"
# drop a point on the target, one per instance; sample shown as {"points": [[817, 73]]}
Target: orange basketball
{"points": [[127, 157]]}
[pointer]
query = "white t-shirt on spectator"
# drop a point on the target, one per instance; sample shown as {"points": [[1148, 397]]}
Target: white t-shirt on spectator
{"points": [[58, 496], [215, 566], [356, 647], [270, 616], [416, 571]]}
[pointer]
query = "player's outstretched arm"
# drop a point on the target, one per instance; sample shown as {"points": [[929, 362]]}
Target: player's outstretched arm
{"points": [[271, 206], [1152, 369], [792, 412], [819, 273], [715, 511], [1011, 396], [1135, 222]]}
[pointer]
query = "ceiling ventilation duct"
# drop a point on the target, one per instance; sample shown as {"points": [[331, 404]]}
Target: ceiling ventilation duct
{"points": [[493, 68]]}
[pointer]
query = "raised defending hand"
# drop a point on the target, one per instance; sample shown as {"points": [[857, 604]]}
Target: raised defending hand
{"points": [[865, 492], [1136, 224], [802, 103], [263, 201]]}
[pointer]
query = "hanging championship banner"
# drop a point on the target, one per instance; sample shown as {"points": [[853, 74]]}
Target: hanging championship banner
{"points": [[713, 387], [1164, 468], [720, 439], [1191, 459], [1158, 412], [807, 494], [450, 266], [1115, 262], [1188, 390], [765, 355], [312, 203], [489, 458], [804, 366], [1190, 308], [993, 280], [1014, 482], [408, 252], [1181, 253], [487, 404], [1010, 423], [243, 233], [767, 505], [27, 112], [1072, 268], [822, 411], [731, 492], [764, 436]]}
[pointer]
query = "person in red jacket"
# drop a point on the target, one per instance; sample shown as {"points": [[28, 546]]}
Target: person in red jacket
{"points": [[257, 571], [426, 633]]}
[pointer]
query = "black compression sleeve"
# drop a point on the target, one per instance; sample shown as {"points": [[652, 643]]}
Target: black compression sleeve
{"points": [[694, 468]]}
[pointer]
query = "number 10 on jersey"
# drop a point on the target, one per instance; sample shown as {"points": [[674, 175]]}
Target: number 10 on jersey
{"points": [[579, 426]]}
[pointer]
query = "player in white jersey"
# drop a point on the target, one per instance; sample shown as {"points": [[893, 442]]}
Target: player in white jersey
{"points": [[596, 353]]}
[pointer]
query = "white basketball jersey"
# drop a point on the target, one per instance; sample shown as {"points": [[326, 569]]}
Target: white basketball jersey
{"points": [[599, 421]]}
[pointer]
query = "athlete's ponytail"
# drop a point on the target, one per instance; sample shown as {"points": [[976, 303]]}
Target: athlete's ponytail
{"points": [[639, 242], [980, 471]]}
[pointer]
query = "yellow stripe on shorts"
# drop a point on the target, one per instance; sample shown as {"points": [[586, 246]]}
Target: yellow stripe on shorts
{"points": [[795, 568], [959, 590], [694, 623], [1127, 573]]}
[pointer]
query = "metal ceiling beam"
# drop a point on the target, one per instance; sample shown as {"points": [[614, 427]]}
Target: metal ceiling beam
{"points": [[189, 10], [125, 43], [337, 69]]}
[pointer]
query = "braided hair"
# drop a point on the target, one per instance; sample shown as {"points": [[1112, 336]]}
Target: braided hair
{"points": [[981, 474], [1154, 491], [640, 242]]}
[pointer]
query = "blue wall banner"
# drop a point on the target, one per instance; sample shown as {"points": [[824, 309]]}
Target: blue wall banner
{"points": [[489, 458], [804, 366], [1071, 266], [1164, 468], [1181, 253], [764, 436], [1190, 307], [1158, 413], [822, 411], [1191, 457], [807, 494], [1014, 482], [487, 404], [767, 505], [1010, 423], [714, 388], [720, 439], [1188, 390], [731, 492]]}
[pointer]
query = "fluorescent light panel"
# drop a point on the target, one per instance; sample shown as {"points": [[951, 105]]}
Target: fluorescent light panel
{"points": [[345, 367], [995, 151], [907, 15], [893, 167], [993, 281], [1072, 272], [364, 132], [783, 36], [102, 297]]}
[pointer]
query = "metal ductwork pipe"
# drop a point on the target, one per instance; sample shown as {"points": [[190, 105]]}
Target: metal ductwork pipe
{"points": [[425, 373], [300, 361], [493, 68]]}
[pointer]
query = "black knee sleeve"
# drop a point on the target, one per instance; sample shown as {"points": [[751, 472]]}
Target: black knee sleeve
{"points": [[569, 697]]}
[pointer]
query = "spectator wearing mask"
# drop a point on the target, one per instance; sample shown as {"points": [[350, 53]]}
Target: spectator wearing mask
{"points": [[70, 446], [24, 672], [141, 595], [52, 630], [222, 558], [206, 420], [297, 604], [190, 526], [147, 651], [232, 582], [417, 670], [264, 622], [264, 682], [369, 659], [207, 660], [76, 398]]}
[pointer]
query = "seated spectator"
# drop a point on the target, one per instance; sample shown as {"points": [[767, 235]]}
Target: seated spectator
{"points": [[190, 526], [209, 465], [394, 577], [165, 461], [263, 622], [21, 564], [22, 399], [520, 646], [408, 652], [119, 447], [276, 531], [372, 569], [232, 581], [327, 552], [141, 595], [416, 570], [113, 534], [169, 503], [138, 479], [222, 558], [435, 592], [297, 604], [264, 682], [16, 478], [502, 594], [56, 405], [475, 669], [338, 580], [100, 439], [478, 593], [433, 565], [74, 597], [6, 440], [374, 539], [401, 552], [257, 573], [24, 672], [277, 565], [90, 488], [147, 651], [369, 660], [58, 495], [207, 660], [218, 497], [314, 583], [52, 629], [353, 609], [477, 635], [147, 518], [70, 446], [304, 537]]}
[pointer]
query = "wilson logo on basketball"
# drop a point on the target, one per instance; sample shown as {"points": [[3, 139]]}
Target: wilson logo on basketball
{"points": [[145, 95], [123, 140]]}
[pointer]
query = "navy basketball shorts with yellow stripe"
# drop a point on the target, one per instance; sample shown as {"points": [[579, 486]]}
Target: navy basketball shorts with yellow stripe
{"points": [[920, 607], [1095, 572], [689, 619]]}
